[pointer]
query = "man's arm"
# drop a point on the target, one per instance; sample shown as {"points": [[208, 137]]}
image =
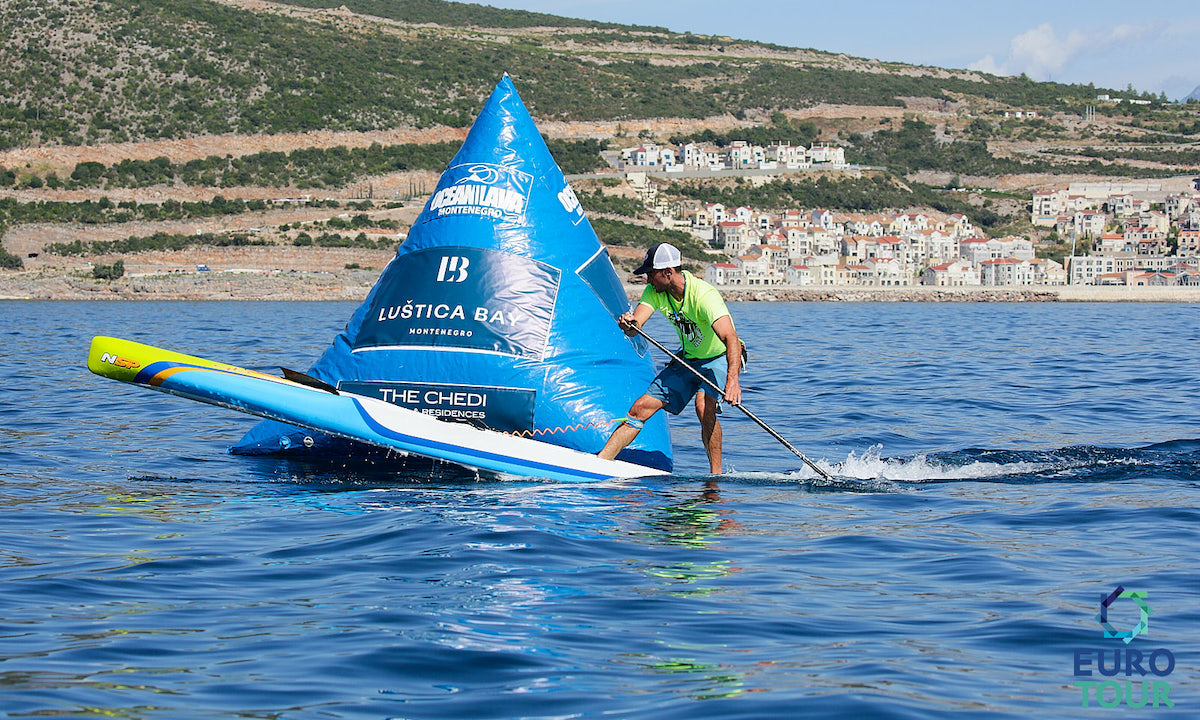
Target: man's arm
{"points": [[630, 321], [723, 327]]}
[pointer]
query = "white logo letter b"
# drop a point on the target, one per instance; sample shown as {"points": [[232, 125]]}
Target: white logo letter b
{"points": [[453, 269]]}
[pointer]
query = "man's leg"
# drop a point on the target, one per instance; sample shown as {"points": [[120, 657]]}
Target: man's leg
{"points": [[710, 430], [643, 409]]}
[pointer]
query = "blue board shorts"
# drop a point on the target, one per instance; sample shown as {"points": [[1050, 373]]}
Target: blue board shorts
{"points": [[675, 386]]}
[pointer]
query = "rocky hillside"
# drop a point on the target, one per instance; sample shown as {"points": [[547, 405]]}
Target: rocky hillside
{"points": [[94, 71]]}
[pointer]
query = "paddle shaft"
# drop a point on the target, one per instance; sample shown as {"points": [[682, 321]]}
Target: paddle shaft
{"points": [[739, 406]]}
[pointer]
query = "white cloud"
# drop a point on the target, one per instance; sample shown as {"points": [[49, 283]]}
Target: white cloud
{"points": [[1043, 54], [987, 64]]}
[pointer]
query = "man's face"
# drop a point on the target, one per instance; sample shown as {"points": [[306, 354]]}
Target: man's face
{"points": [[660, 279]]}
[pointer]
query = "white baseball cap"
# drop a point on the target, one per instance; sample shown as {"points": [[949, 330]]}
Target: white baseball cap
{"points": [[659, 257]]}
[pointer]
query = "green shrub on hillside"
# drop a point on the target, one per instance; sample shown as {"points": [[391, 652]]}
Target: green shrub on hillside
{"points": [[915, 146], [8, 261], [615, 232], [334, 167], [95, 212], [157, 241], [781, 130], [109, 272], [598, 202]]}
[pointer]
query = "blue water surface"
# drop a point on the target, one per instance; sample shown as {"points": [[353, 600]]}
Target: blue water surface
{"points": [[1000, 468]]}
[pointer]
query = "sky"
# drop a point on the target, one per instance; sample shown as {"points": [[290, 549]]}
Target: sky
{"points": [[1153, 45]]}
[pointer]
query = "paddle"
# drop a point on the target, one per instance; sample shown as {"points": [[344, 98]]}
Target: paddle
{"points": [[739, 406]]}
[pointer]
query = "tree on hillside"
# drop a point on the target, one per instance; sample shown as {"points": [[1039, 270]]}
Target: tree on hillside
{"points": [[109, 272], [8, 261]]}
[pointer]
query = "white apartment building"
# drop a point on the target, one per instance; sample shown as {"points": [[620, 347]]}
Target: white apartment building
{"points": [[822, 219], [887, 272], [827, 154], [1178, 205], [1086, 269], [1111, 243], [790, 156], [800, 275], [935, 247], [1082, 223], [1049, 272], [759, 269], [742, 154], [649, 156], [1047, 207], [700, 156], [734, 238], [958, 273], [959, 225], [977, 250], [724, 274], [1007, 272], [1123, 205]]}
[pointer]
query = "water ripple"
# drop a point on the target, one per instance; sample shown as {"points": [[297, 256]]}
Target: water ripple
{"points": [[997, 469]]}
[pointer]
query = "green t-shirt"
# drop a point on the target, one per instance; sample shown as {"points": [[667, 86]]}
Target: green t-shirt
{"points": [[694, 317]]}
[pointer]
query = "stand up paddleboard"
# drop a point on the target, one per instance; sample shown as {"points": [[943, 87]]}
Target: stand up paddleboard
{"points": [[321, 407]]}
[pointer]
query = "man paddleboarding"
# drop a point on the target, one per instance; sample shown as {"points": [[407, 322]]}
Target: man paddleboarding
{"points": [[710, 346]]}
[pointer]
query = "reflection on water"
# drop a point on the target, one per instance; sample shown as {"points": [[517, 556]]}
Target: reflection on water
{"points": [[693, 678], [698, 523], [694, 523]]}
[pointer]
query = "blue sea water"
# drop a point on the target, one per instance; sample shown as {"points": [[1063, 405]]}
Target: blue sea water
{"points": [[1001, 468]]}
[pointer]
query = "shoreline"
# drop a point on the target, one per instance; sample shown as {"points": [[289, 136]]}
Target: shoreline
{"points": [[922, 293], [353, 285]]}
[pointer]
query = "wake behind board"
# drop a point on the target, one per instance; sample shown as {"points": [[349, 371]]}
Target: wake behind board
{"points": [[346, 415]]}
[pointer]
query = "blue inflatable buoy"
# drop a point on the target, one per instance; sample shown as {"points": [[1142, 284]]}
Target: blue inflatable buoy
{"points": [[497, 310]]}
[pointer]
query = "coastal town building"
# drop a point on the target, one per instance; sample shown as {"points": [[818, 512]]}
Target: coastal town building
{"points": [[1189, 242], [1100, 269], [958, 273], [1049, 272], [1150, 279], [723, 273], [649, 155], [738, 155], [978, 250], [1081, 224], [799, 275], [1112, 243], [1116, 269], [1020, 272], [1152, 244], [734, 237]]}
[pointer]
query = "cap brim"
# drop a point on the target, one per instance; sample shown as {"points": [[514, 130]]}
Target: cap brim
{"points": [[645, 268]]}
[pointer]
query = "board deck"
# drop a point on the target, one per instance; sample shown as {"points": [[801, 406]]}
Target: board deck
{"points": [[355, 417]]}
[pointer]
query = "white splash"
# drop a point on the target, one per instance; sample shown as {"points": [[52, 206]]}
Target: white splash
{"points": [[871, 465]]}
